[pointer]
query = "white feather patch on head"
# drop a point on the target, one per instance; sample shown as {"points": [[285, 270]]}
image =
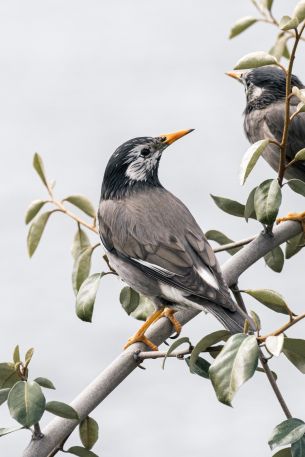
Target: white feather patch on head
{"points": [[254, 92], [140, 167]]}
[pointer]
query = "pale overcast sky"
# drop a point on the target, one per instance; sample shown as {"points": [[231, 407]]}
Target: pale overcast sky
{"points": [[78, 78]]}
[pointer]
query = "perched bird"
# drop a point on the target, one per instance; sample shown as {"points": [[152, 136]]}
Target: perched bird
{"points": [[265, 89], [154, 243]]}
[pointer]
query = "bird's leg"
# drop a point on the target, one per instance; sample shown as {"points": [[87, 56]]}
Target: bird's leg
{"points": [[300, 217], [168, 312], [139, 336]]}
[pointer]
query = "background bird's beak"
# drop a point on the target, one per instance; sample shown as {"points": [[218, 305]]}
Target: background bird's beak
{"points": [[234, 75], [171, 137]]}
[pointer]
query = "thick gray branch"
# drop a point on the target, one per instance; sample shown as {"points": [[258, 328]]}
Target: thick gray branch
{"points": [[58, 429]]}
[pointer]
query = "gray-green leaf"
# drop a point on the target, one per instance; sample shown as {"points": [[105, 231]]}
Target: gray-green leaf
{"points": [[241, 25], [250, 158], [256, 319], [229, 206], [61, 409], [297, 186], [299, 11], [144, 310], [254, 60], [174, 346], [288, 23], [269, 298], [3, 395], [294, 350], [294, 245], [44, 382], [82, 203], [26, 403], [298, 448], [274, 344], [267, 200], [88, 432], [222, 239], [81, 268], [280, 47], [16, 354], [206, 342], [201, 367], [86, 296], [80, 243], [81, 452], [39, 167], [35, 232], [34, 209], [129, 299], [249, 207], [275, 259], [300, 155], [235, 364], [287, 432], [8, 375]]}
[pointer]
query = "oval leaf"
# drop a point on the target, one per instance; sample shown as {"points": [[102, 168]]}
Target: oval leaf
{"points": [[39, 167], [8, 375], [201, 367], [288, 23], [254, 60], [222, 239], [294, 350], [80, 243], [206, 342], [235, 364], [280, 47], [241, 25], [274, 344], [287, 432], [36, 231], [86, 296], [297, 186], [145, 309], [44, 382], [82, 203], [81, 268], [34, 209], [61, 409], [269, 298], [299, 11], [129, 299], [81, 452], [26, 403], [174, 346], [267, 200], [229, 206], [275, 259], [88, 432], [249, 212], [300, 155], [294, 245], [256, 319], [250, 158]]}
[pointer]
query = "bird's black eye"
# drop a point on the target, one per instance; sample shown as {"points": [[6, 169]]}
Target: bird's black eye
{"points": [[145, 152]]}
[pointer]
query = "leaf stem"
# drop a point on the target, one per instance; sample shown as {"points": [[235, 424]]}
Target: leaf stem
{"points": [[235, 244], [37, 434]]}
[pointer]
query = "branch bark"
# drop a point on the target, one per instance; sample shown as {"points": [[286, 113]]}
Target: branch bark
{"points": [[58, 429]]}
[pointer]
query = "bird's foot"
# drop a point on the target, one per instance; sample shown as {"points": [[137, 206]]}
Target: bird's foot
{"points": [[138, 338], [169, 313], [300, 217]]}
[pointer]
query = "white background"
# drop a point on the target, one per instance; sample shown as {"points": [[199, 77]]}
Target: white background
{"points": [[77, 79]]}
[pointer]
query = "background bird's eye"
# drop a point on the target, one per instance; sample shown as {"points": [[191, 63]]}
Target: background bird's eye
{"points": [[145, 152]]}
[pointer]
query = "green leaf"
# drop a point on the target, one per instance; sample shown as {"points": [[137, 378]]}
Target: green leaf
{"points": [[299, 11], [36, 231], [39, 167], [6, 431], [287, 432], [80, 243], [174, 346], [26, 403], [8, 375], [129, 299], [222, 239], [300, 155], [88, 432], [280, 47], [241, 25], [297, 186], [294, 245], [255, 60], [16, 354], [82, 203], [28, 356], [235, 364], [250, 158], [81, 268], [275, 259], [44, 382], [267, 200], [3, 395], [288, 23], [249, 212], [86, 296], [229, 206], [256, 319], [145, 309], [283, 453], [298, 448], [294, 350], [206, 342], [267, 4], [269, 298], [33, 209], [300, 93], [201, 367], [274, 344], [61, 409], [81, 452]]}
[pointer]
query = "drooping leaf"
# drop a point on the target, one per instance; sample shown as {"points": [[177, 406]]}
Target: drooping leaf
{"points": [[3, 395], [206, 342], [39, 167], [298, 448], [267, 200], [294, 350], [80, 243], [201, 367], [297, 186], [288, 23], [81, 268], [82, 203], [26, 403], [174, 346], [222, 239], [256, 319], [241, 25], [86, 296], [274, 344], [8, 375], [81, 452], [255, 60], [275, 259], [44, 382], [129, 299], [61, 409], [299, 11], [88, 432], [6, 431], [36, 230], [34, 209], [287, 432], [269, 298], [229, 206], [249, 212], [16, 354], [235, 364], [294, 245], [250, 158]]}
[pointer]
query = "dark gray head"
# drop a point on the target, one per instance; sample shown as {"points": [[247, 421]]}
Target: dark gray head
{"points": [[135, 164], [264, 85]]}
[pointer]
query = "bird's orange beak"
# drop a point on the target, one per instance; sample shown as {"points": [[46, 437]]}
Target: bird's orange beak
{"points": [[234, 75], [171, 137]]}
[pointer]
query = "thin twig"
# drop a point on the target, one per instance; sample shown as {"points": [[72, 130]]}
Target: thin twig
{"points": [[178, 354], [235, 244], [238, 297], [293, 321]]}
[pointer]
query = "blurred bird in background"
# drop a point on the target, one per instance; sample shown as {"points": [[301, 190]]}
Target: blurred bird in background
{"points": [[154, 243], [265, 89]]}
